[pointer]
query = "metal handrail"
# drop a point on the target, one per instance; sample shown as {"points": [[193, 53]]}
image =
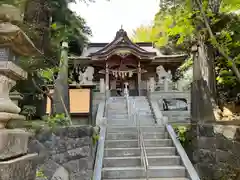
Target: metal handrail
{"points": [[126, 95], [141, 144]]}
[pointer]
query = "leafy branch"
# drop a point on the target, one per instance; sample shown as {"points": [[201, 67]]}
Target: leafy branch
{"points": [[216, 44]]}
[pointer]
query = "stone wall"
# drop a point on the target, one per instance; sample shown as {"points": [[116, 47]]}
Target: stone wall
{"points": [[65, 153], [215, 151]]}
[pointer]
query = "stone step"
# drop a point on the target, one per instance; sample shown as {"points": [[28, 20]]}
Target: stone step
{"points": [[153, 179], [134, 129], [134, 135], [134, 143], [126, 122], [151, 151], [125, 115], [136, 161], [139, 172], [119, 108], [118, 112], [118, 116], [141, 118]]}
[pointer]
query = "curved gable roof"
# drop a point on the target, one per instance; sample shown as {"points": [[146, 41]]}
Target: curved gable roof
{"points": [[122, 40]]}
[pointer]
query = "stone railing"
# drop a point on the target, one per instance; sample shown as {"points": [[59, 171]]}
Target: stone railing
{"points": [[163, 121], [174, 116], [191, 172], [158, 115], [101, 122], [100, 113]]}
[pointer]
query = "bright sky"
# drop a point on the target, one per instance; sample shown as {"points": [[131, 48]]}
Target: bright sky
{"points": [[106, 17]]}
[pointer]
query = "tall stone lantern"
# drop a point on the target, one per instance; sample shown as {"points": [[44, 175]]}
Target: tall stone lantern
{"points": [[15, 162]]}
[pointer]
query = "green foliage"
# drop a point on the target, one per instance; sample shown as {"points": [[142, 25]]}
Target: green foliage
{"points": [[40, 174], [181, 132], [48, 74], [48, 23], [95, 138], [57, 120], [179, 23], [29, 111], [143, 34]]}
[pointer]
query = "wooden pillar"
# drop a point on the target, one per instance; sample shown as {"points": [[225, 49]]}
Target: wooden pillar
{"points": [[107, 80], [139, 78]]}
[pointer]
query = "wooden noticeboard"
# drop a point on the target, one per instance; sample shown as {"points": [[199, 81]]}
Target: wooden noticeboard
{"points": [[79, 101]]}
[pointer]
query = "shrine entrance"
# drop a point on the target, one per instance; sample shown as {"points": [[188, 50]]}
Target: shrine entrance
{"points": [[123, 70]]}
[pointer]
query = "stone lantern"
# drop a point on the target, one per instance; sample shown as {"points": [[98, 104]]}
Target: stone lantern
{"points": [[15, 163]]}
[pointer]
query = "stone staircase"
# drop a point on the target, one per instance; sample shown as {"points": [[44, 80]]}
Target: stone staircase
{"points": [[122, 153]]}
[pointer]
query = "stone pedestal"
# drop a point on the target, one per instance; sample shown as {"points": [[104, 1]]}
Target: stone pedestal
{"points": [[15, 163], [19, 168], [166, 84], [151, 84], [13, 142], [102, 85]]}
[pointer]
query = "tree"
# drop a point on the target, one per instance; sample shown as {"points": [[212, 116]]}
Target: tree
{"points": [[48, 23], [211, 21], [143, 34]]}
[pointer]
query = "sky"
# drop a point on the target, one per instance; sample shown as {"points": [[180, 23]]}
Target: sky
{"points": [[105, 17]]}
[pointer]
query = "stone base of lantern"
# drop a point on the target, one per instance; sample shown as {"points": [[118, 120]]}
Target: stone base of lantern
{"points": [[21, 168], [15, 163], [13, 143], [6, 117]]}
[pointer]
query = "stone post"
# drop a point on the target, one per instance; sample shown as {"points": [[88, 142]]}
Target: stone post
{"points": [[179, 86], [15, 162], [102, 85], [139, 78], [61, 90], [107, 93], [166, 85], [151, 84]]}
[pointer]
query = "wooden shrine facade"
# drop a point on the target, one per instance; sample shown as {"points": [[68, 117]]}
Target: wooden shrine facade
{"points": [[124, 62]]}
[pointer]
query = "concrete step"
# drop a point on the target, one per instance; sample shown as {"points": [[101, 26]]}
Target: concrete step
{"points": [[132, 118], [163, 160], [139, 172], [151, 151], [126, 122], [134, 129], [134, 135], [134, 143], [153, 179], [114, 112], [136, 161], [117, 108], [118, 116], [117, 111]]}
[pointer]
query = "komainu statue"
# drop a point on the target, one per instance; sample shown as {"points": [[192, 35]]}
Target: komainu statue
{"points": [[87, 76], [161, 73]]}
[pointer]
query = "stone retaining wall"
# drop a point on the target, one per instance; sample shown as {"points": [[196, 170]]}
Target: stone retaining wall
{"points": [[65, 153], [216, 151]]}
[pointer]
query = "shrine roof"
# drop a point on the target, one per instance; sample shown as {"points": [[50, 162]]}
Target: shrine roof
{"points": [[122, 45], [95, 47]]}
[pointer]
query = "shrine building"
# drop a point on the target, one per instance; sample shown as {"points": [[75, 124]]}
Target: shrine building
{"points": [[122, 61], [115, 64]]}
